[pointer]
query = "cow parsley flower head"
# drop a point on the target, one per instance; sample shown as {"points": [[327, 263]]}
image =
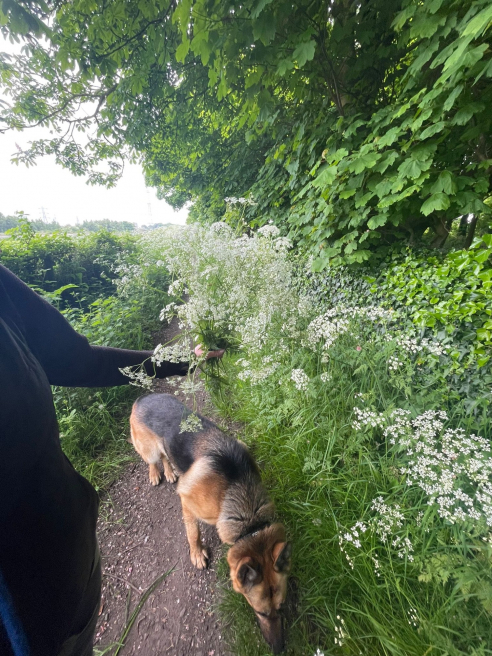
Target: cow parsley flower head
{"points": [[269, 231], [301, 379], [138, 377], [192, 424], [177, 352]]}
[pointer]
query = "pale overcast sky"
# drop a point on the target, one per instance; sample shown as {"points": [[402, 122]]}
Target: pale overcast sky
{"points": [[67, 198]]}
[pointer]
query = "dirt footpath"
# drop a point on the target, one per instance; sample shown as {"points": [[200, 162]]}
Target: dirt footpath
{"points": [[142, 536]]}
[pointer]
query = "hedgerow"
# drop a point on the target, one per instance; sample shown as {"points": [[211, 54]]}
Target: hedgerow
{"points": [[379, 463]]}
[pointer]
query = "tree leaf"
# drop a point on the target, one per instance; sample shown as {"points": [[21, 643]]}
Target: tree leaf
{"points": [[449, 102], [182, 50], [264, 29], [479, 23], [326, 177], [436, 202], [445, 183], [284, 66], [364, 162], [260, 6], [377, 221], [433, 129], [304, 52], [410, 168]]}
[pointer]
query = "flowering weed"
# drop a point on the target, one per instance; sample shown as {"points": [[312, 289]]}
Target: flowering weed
{"points": [[382, 480]]}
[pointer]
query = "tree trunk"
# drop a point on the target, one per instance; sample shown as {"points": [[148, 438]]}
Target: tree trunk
{"points": [[471, 232], [463, 225], [442, 229]]}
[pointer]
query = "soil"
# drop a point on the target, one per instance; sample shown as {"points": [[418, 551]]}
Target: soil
{"points": [[141, 536]]}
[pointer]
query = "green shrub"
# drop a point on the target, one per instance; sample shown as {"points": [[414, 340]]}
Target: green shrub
{"points": [[449, 292], [94, 422], [53, 260], [327, 388]]}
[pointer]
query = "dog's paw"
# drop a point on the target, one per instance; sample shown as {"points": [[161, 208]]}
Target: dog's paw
{"points": [[171, 477], [154, 475], [199, 558]]}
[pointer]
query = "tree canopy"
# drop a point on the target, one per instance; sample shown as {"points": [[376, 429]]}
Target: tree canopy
{"points": [[351, 125]]}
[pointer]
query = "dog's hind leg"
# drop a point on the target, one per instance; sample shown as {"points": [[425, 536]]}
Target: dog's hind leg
{"points": [[198, 553], [147, 446], [169, 472]]}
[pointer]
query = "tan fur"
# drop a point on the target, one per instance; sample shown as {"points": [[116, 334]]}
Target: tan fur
{"points": [[201, 492], [150, 448]]}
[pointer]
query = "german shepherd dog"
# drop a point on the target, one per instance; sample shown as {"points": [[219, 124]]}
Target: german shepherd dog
{"points": [[219, 483]]}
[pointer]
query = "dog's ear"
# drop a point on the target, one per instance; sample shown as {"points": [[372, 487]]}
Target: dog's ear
{"points": [[248, 573], [281, 554]]}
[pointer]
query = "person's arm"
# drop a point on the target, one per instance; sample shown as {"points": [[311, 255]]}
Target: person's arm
{"points": [[66, 356]]}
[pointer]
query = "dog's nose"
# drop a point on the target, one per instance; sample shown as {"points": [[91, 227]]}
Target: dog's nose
{"points": [[273, 632], [279, 645]]}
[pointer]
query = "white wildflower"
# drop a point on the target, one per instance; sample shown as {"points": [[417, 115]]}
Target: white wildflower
{"points": [[300, 378], [177, 352], [268, 231], [138, 377], [192, 424]]}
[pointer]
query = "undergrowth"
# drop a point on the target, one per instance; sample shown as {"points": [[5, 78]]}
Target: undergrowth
{"points": [[94, 422], [365, 427]]}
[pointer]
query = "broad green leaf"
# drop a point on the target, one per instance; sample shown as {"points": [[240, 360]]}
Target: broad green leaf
{"points": [[326, 177], [182, 50], [481, 22], [464, 114], [425, 26], [264, 29], [260, 6], [377, 221], [482, 256], [433, 129], [348, 193], [412, 189], [404, 16], [444, 182], [284, 66], [384, 187], [390, 137], [388, 158], [436, 202], [449, 102], [410, 168], [364, 162], [304, 52]]}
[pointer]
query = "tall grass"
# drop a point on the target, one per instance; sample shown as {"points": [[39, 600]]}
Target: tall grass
{"points": [[323, 478], [378, 569]]}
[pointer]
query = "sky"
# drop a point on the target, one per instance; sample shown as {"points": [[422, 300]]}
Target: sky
{"points": [[49, 190]]}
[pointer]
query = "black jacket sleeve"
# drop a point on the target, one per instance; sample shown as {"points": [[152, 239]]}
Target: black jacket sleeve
{"points": [[66, 356]]}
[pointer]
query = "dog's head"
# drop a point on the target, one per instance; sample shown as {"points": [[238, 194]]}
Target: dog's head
{"points": [[259, 566]]}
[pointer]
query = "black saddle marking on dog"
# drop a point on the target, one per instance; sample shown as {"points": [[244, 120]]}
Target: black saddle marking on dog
{"points": [[163, 414], [232, 460]]}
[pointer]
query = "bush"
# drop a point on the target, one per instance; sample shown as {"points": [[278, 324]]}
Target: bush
{"points": [[340, 403], [448, 292], [54, 260], [94, 422]]}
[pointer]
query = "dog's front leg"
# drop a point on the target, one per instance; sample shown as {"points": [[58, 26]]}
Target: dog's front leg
{"points": [[198, 553]]}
